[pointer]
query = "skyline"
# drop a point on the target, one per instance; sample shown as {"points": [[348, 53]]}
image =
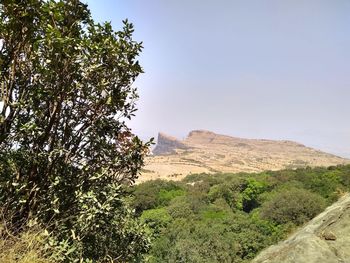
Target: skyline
{"points": [[271, 70]]}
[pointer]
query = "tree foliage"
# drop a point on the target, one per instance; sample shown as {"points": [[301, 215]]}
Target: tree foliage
{"points": [[231, 217], [293, 205], [65, 148]]}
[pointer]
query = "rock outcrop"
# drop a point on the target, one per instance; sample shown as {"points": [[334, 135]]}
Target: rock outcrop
{"points": [[208, 152], [325, 239], [167, 145]]}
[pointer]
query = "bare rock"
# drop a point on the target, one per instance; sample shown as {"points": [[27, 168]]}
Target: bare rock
{"points": [[167, 145], [325, 239]]}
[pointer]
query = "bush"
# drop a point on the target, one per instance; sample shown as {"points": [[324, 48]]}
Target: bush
{"points": [[219, 191], [293, 205], [213, 213], [156, 219], [155, 193], [180, 207], [165, 196]]}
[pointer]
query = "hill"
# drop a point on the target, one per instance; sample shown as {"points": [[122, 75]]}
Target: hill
{"points": [[207, 152]]}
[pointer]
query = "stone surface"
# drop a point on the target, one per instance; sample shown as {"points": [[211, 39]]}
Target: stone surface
{"points": [[167, 145], [208, 152], [325, 239]]}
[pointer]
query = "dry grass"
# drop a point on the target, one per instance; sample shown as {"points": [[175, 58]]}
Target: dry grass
{"points": [[26, 248]]}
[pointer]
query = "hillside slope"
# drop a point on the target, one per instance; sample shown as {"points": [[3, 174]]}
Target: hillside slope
{"points": [[207, 152], [324, 239]]}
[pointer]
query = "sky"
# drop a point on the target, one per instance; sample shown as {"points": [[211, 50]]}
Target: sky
{"points": [[247, 68]]}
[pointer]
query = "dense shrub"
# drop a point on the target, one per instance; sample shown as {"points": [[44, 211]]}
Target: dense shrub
{"points": [[180, 207], [156, 219], [155, 193], [293, 205]]}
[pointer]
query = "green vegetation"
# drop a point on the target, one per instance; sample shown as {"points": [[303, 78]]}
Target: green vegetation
{"points": [[293, 205], [67, 158], [66, 153], [231, 217]]}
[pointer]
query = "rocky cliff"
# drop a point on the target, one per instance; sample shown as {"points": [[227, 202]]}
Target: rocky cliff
{"points": [[325, 239], [167, 145]]}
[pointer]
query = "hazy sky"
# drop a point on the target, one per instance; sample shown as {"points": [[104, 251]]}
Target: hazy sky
{"points": [[254, 69]]}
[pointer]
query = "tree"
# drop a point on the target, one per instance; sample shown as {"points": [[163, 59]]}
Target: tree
{"points": [[293, 205], [249, 196], [65, 148]]}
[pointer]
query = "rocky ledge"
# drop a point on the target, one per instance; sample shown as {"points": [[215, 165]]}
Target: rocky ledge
{"points": [[325, 239], [167, 145]]}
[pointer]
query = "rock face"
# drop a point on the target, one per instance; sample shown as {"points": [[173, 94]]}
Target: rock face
{"points": [[208, 152], [325, 239], [167, 145]]}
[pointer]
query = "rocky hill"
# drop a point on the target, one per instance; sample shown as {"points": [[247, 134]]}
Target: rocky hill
{"points": [[207, 152], [325, 239], [167, 145]]}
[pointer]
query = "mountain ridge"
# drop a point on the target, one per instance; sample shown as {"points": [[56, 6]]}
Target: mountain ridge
{"points": [[204, 151]]}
